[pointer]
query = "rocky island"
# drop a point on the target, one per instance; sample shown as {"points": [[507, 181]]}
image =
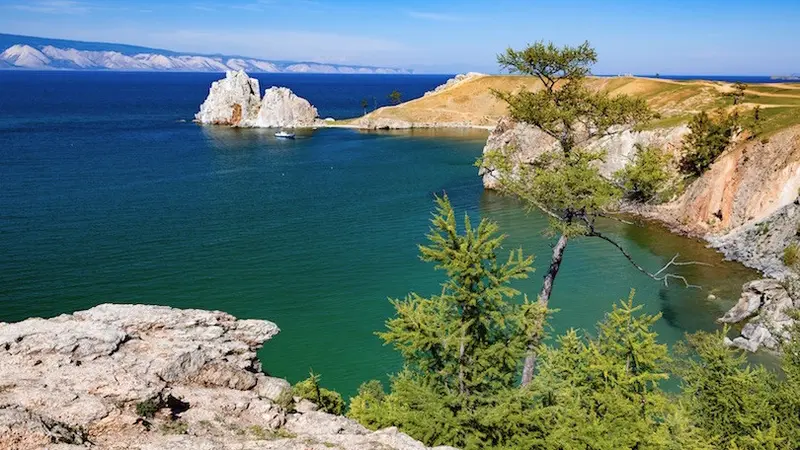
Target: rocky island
{"points": [[154, 377]]}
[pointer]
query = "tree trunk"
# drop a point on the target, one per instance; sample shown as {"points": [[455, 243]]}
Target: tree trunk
{"points": [[544, 298]]}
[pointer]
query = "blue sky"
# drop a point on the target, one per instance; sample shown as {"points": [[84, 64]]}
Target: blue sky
{"points": [[669, 37]]}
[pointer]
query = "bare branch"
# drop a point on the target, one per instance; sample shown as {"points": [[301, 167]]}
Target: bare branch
{"points": [[613, 217], [658, 275]]}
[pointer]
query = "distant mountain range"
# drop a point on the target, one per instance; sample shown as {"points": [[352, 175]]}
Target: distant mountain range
{"points": [[36, 53]]}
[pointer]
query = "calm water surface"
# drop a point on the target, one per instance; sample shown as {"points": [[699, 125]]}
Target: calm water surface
{"points": [[108, 193]]}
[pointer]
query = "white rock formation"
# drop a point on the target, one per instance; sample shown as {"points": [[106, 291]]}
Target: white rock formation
{"points": [[234, 100], [766, 305], [454, 81], [281, 108], [86, 380]]}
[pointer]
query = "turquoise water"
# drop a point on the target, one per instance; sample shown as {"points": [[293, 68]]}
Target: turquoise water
{"points": [[107, 194]]}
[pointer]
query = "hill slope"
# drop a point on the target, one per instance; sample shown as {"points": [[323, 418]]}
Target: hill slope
{"points": [[472, 103]]}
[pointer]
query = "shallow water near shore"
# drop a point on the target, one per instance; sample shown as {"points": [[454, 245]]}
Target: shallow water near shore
{"points": [[109, 194]]}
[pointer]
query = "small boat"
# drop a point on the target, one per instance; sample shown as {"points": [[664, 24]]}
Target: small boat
{"points": [[284, 135]]}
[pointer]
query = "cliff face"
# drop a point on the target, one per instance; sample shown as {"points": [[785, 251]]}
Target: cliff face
{"points": [[236, 101], [529, 143], [87, 379], [746, 184]]}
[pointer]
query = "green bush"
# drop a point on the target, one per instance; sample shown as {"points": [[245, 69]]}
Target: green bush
{"points": [[327, 400], [646, 176], [147, 408], [791, 255], [708, 138]]}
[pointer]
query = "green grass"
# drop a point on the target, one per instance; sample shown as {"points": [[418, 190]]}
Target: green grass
{"points": [[762, 100], [791, 255], [777, 119], [665, 122]]}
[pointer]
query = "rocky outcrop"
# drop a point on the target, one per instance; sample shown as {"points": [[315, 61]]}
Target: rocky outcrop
{"points": [[454, 81], [281, 108], [236, 101], [765, 305], [760, 243], [528, 143], [153, 377]]}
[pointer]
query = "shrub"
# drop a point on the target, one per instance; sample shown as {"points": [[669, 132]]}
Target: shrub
{"points": [[327, 400], [791, 255], [147, 408], [646, 175], [708, 138]]}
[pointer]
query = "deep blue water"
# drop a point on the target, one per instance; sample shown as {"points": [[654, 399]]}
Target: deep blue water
{"points": [[109, 193]]}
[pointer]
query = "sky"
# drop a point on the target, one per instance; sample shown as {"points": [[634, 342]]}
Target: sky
{"points": [[699, 37]]}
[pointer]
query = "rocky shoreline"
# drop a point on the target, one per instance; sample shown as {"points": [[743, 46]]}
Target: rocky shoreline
{"points": [[154, 377]]}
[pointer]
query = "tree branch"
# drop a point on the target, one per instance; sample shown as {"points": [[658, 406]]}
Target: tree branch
{"points": [[660, 275]]}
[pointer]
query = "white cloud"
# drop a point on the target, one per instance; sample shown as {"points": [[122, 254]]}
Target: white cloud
{"points": [[54, 7], [437, 17], [282, 44]]}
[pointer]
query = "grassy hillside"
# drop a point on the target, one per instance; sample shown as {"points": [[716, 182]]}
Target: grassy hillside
{"points": [[472, 101]]}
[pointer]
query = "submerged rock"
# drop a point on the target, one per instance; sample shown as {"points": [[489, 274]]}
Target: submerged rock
{"points": [[236, 101], [153, 377]]}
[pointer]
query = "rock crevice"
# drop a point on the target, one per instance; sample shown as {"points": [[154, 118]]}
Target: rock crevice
{"points": [[154, 377]]}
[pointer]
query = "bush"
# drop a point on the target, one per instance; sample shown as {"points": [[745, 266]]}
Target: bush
{"points": [[327, 400], [708, 138], [791, 255], [147, 408], [646, 175]]}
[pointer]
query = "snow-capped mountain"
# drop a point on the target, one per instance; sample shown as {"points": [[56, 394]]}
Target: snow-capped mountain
{"points": [[41, 54]]}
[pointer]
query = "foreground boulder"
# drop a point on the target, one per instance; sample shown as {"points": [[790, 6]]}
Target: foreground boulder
{"points": [[236, 101], [153, 377]]}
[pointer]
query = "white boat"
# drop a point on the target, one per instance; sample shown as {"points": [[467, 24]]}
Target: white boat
{"points": [[284, 135]]}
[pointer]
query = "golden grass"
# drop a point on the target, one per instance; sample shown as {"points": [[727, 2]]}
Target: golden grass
{"points": [[472, 102]]}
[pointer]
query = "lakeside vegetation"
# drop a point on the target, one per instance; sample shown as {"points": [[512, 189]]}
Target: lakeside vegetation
{"points": [[480, 370], [464, 352]]}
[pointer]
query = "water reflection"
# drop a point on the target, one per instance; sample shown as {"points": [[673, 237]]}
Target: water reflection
{"points": [[594, 274]]}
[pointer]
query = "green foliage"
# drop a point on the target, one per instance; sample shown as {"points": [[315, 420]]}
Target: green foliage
{"points": [[147, 408], [738, 92], [737, 405], [709, 136], [647, 175], [791, 255], [174, 427], [327, 400], [395, 98], [364, 104]]}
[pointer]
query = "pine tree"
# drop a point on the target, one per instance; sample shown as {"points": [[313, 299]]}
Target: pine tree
{"points": [[566, 185]]}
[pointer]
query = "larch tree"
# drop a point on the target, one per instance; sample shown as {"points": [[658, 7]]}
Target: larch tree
{"points": [[566, 185]]}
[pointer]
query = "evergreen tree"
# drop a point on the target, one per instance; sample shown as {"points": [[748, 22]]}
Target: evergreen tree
{"points": [[566, 185], [395, 98]]}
